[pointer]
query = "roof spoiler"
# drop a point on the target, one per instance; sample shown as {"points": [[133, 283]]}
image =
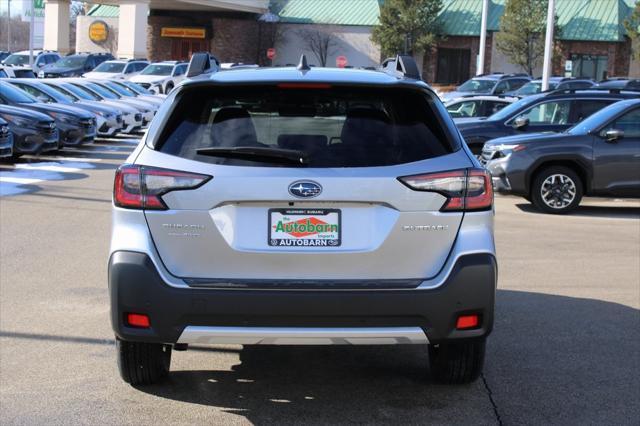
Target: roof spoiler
{"points": [[402, 66], [201, 63]]}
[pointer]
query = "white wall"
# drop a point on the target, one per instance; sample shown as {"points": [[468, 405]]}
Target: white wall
{"points": [[500, 62], [352, 41], [83, 44]]}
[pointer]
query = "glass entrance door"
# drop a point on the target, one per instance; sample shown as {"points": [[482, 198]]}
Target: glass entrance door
{"points": [[589, 66]]}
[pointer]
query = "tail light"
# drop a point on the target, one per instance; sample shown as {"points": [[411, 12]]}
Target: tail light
{"points": [[142, 187], [466, 190]]}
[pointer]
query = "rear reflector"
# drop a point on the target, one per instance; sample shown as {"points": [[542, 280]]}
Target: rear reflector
{"points": [[467, 190], [141, 187], [138, 320], [467, 321]]}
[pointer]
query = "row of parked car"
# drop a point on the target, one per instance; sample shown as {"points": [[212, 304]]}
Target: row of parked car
{"points": [[484, 95], [37, 116], [157, 77], [557, 146]]}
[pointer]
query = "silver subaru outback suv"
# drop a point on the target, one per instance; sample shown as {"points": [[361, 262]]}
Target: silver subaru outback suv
{"points": [[302, 206]]}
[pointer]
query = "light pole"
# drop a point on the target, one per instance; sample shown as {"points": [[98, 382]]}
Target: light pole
{"points": [[31, 34], [483, 37], [9, 26], [548, 46]]}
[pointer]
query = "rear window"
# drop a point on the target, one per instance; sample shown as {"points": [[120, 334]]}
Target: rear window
{"points": [[24, 74], [336, 127], [110, 67]]}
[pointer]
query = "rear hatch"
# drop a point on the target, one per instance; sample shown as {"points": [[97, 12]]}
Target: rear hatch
{"points": [[302, 184]]}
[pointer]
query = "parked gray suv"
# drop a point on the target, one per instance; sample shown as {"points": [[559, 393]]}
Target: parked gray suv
{"points": [[598, 157], [302, 206]]}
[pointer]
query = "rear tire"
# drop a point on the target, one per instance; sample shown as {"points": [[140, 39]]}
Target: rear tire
{"points": [[556, 190], [457, 363], [142, 363]]}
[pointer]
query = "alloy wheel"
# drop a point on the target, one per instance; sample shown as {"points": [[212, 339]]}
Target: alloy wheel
{"points": [[558, 191]]}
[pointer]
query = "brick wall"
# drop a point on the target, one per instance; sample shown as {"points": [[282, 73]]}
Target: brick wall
{"points": [[235, 39], [430, 63], [618, 55], [159, 48], [231, 37]]}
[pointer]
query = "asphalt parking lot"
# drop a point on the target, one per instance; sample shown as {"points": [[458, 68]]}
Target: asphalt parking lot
{"points": [[565, 348]]}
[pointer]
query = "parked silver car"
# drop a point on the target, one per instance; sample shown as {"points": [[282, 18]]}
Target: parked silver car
{"points": [[131, 117], [108, 119], [302, 206], [147, 109]]}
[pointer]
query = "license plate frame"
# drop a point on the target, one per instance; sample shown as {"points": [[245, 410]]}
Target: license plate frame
{"points": [[329, 238]]}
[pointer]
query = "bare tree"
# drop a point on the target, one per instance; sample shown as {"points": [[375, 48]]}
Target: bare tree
{"points": [[19, 34], [111, 44], [322, 44], [269, 35], [77, 9]]}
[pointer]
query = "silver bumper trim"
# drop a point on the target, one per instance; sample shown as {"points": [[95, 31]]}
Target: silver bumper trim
{"points": [[303, 335]]}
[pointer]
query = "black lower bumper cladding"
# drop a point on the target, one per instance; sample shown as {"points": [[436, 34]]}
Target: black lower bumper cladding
{"points": [[136, 287]]}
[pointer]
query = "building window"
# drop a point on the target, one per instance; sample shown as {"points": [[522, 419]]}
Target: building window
{"points": [[589, 66], [453, 66]]}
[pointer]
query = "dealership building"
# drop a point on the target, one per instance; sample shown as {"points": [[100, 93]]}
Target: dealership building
{"points": [[592, 39]]}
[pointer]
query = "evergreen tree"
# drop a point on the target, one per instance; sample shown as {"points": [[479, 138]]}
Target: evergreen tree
{"points": [[407, 25], [632, 25], [522, 32]]}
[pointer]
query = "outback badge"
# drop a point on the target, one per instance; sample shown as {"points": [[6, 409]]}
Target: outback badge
{"points": [[305, 189]]}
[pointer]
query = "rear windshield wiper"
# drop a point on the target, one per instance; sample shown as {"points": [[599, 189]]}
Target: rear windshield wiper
{"points": [[264, 155]]}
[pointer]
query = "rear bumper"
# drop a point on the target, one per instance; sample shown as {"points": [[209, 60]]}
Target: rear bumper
{"points": [[136, 287]]}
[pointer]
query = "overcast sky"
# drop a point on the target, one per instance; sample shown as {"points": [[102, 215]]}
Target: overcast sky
{"points": [[17, 6]]}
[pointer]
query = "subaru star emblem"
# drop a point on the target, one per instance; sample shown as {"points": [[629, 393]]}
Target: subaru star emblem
{"points": [[305, 189]]}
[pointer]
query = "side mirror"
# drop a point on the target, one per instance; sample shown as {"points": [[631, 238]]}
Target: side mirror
{"points": [[613, 135], [520, 123]]}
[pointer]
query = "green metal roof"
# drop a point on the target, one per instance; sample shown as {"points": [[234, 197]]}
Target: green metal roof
{"points": [[588, 20], [462, 17], [104, 11], [336, 12], [596, 20]]}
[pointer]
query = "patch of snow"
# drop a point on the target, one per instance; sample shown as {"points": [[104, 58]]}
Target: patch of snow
{"points": [[30, 173], [8, 188]]}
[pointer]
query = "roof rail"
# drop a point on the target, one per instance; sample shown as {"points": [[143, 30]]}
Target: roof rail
{"points": [[615, 90], [402, 66], [515, 74], [618, 78]]}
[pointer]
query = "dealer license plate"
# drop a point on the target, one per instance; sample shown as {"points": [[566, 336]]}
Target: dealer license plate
{"points": [[304, 228]]}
